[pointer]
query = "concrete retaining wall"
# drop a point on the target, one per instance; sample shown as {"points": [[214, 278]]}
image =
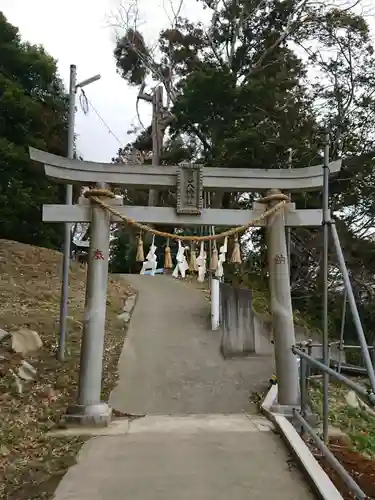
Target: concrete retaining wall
{"points": [[244, 331], [236, 320]]}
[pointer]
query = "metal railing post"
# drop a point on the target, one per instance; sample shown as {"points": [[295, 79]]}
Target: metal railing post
{"points": [[303, 389]]}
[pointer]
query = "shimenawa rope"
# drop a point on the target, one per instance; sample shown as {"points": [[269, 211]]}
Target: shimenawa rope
{"points": [[95, 193]]}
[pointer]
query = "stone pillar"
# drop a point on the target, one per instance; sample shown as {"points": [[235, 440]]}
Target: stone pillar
{"points": [[90, 410], [281, 308]]}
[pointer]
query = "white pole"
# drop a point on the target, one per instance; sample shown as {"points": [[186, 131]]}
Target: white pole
{"points": [[215, 303]]}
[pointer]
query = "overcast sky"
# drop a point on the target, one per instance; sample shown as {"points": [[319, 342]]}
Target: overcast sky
{"points": [[79, 32]]}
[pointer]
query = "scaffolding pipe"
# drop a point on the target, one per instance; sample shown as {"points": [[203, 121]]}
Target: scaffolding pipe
{"points": [[325, 222], [343, 316], [305, 343], [361, 391], [353, 308], [369, 347]]}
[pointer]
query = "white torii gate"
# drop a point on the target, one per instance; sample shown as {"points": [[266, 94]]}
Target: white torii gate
{"points": [[190, 181]]}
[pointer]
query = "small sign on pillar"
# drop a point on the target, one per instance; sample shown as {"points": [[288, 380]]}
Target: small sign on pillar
{"points": [[189, 189], [280, 259], [98, 255]]}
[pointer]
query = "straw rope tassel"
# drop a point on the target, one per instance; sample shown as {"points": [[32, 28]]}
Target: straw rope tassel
{"points": [[193, 267], [140, 257], [168, 264], [236, 254], [214, 258]]}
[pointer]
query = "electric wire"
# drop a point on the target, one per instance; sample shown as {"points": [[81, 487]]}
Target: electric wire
{"points": [[86, 104]]}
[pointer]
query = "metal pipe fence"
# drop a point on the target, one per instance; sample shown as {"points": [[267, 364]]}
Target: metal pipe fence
{"points": [[300, 414], [331, 459], [361, 391], [306, 360], [353, 307], [309, 343]]}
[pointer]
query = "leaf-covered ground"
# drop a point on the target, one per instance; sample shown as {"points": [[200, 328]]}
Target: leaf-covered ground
{"points": [[357, 452], [32, 464]]}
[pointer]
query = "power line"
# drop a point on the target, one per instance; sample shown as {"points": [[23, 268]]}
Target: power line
{"points": [[85, 103]]}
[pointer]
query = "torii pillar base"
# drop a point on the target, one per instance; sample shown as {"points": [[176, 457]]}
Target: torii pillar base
{"points": [[96, 415], [89, 409]]}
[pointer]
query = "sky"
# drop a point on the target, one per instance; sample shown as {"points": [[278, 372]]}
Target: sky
{"points": [[82, 32]]}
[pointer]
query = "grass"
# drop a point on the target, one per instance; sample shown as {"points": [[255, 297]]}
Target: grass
{"points": [[32, 464], [355, 450], [358, 424]]}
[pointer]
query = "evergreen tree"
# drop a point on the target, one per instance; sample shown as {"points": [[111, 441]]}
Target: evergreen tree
{"points": [[33, 112], [242, 94]]}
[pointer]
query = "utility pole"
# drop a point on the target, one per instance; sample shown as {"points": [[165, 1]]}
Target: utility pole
{"points": [[68, 226], [161, 118], [73, 87], [157, 137]]}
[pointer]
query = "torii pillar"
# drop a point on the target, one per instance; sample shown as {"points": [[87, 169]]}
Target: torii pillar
{"points": [[281, 308]]}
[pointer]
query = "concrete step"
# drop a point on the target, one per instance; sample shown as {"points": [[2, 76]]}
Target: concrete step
{"points": [[200, 457]]}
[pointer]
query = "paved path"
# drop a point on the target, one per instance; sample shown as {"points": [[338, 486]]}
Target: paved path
{"points": [[172, 363], [196, 442]]}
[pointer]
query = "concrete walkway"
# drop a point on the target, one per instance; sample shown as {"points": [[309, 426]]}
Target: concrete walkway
{"points": [[172, 362], [196, 441]]}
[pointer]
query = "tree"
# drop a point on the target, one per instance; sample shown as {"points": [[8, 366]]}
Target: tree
{"points": [[242, 87], [33, 113], [124, 246]]}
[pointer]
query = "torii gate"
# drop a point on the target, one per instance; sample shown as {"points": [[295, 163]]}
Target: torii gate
{"points": [[190, 181]]}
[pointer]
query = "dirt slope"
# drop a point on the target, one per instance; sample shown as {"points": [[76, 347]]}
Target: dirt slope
{"points": [[30, 278]]}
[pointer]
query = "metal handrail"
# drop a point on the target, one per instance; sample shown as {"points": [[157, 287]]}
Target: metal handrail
{"points": [[308, 343], [300, 414], [369, 395]]}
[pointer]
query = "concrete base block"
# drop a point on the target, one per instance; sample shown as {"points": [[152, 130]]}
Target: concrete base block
{"points": [[287, 412], [97, 415]]}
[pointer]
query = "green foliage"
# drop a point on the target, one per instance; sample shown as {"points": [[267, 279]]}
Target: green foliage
{"points": [[33, 112], [130, 53], [123, 253], [242, 96], [354, 357], [357, 423]]}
